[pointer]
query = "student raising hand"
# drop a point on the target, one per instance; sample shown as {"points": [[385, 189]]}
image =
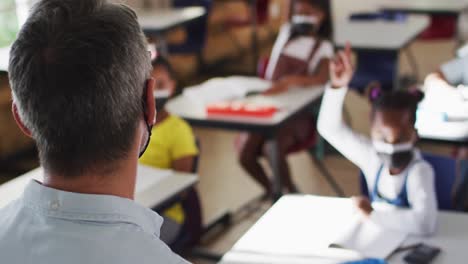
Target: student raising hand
{"points": [[341, 68]]}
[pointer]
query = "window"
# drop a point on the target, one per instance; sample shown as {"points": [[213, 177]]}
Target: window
{"points": [[8, 22]]}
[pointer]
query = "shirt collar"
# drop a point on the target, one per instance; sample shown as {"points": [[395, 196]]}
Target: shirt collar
{"points": [[90, 207]]}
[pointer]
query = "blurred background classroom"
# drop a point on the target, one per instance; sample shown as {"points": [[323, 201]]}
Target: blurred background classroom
{"points": [[230, 38]]}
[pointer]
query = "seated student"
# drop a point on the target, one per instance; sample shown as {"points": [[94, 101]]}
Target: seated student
{"points": [[395, 171], [172, 145], [450, 76], [299, 59]]}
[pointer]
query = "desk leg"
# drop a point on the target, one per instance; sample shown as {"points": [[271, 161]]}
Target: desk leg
{"points": [[254, 35], [274, 161], [162, 47]]}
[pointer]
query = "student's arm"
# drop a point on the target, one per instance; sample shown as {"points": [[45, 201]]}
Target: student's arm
{"points": [[184, 148], [449, 75], [331, 126], [319, 78], [184, 164], [355, 147], [453, 72], [281, 40], [421, 219]]}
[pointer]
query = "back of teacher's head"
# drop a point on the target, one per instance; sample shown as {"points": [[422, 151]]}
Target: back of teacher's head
{"points": [[78, 71]]}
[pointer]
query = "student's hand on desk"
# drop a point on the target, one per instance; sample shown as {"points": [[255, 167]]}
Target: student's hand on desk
{"points": [[341, 68], [277, 88], [363, 205]]}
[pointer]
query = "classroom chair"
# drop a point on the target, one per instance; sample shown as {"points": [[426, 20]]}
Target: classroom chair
{"points": [[261, 10], [197, 31], [375, 65], [440, 27], [445, 175]]}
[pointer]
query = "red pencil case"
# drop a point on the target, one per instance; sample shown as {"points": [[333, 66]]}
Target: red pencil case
{"points": [[241, 110]]}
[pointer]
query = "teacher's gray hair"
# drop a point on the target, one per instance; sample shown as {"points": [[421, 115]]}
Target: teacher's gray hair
{"points": [[78, 72]]}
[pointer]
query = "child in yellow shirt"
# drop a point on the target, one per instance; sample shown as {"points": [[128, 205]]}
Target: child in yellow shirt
{"points": [[172, 146]]}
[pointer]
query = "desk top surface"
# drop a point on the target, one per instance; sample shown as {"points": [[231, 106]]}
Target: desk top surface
{"points": [[153, 186], [291, 103], [165, 19], [425, 6], [298, 229], [378, 35], [151, 20], [4, 58]]}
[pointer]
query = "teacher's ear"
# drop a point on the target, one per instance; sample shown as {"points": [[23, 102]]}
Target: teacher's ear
{"points": [[150, 102], [19, 121]]}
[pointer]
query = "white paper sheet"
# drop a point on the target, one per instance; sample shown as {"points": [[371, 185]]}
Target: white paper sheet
{"points": [[368, 239], [221, 89], [148, 177]]}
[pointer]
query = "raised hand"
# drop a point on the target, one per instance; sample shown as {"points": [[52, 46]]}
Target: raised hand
{"points": [[341, 68]]}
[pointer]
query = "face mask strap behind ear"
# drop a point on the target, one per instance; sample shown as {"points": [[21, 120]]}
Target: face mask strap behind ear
{"points": [[148, 126]]}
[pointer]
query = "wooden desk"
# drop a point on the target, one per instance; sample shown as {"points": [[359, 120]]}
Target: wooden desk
{"points": [[373, 35], [4, 58], [446, 7], [293, 103], [375, 39], [153, 188], [156, 22], [298, 229]]}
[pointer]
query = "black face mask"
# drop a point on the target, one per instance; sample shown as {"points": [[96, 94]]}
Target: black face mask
{"points": [[303, 29], [396, 160], [394, 156], [150, 128], [303, 25]]}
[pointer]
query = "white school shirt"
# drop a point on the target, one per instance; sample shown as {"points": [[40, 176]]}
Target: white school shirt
{"points": [[456, 71], [48, 226], [299, 48], [421, 218]]}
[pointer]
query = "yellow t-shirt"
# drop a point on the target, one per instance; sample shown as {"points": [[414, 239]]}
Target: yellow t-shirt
{"points": [[171, 140]]}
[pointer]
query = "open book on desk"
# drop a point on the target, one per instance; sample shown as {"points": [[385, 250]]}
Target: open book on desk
{"points": [[368, 239]]}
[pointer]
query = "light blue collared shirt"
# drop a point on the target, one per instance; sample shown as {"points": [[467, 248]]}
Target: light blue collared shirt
{"points": [[48, 226]]}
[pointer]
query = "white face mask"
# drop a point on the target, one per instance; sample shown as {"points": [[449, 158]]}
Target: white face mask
{"points": [[162, 93], [161, 97], [386, 148], [394, 156], [303, 19]]}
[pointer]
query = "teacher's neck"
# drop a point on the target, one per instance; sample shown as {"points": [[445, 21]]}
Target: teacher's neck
{"points": [[116, 181]]}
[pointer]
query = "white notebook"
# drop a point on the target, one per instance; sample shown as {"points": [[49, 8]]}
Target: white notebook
{"points": [[221, 89], [368, 239]]}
